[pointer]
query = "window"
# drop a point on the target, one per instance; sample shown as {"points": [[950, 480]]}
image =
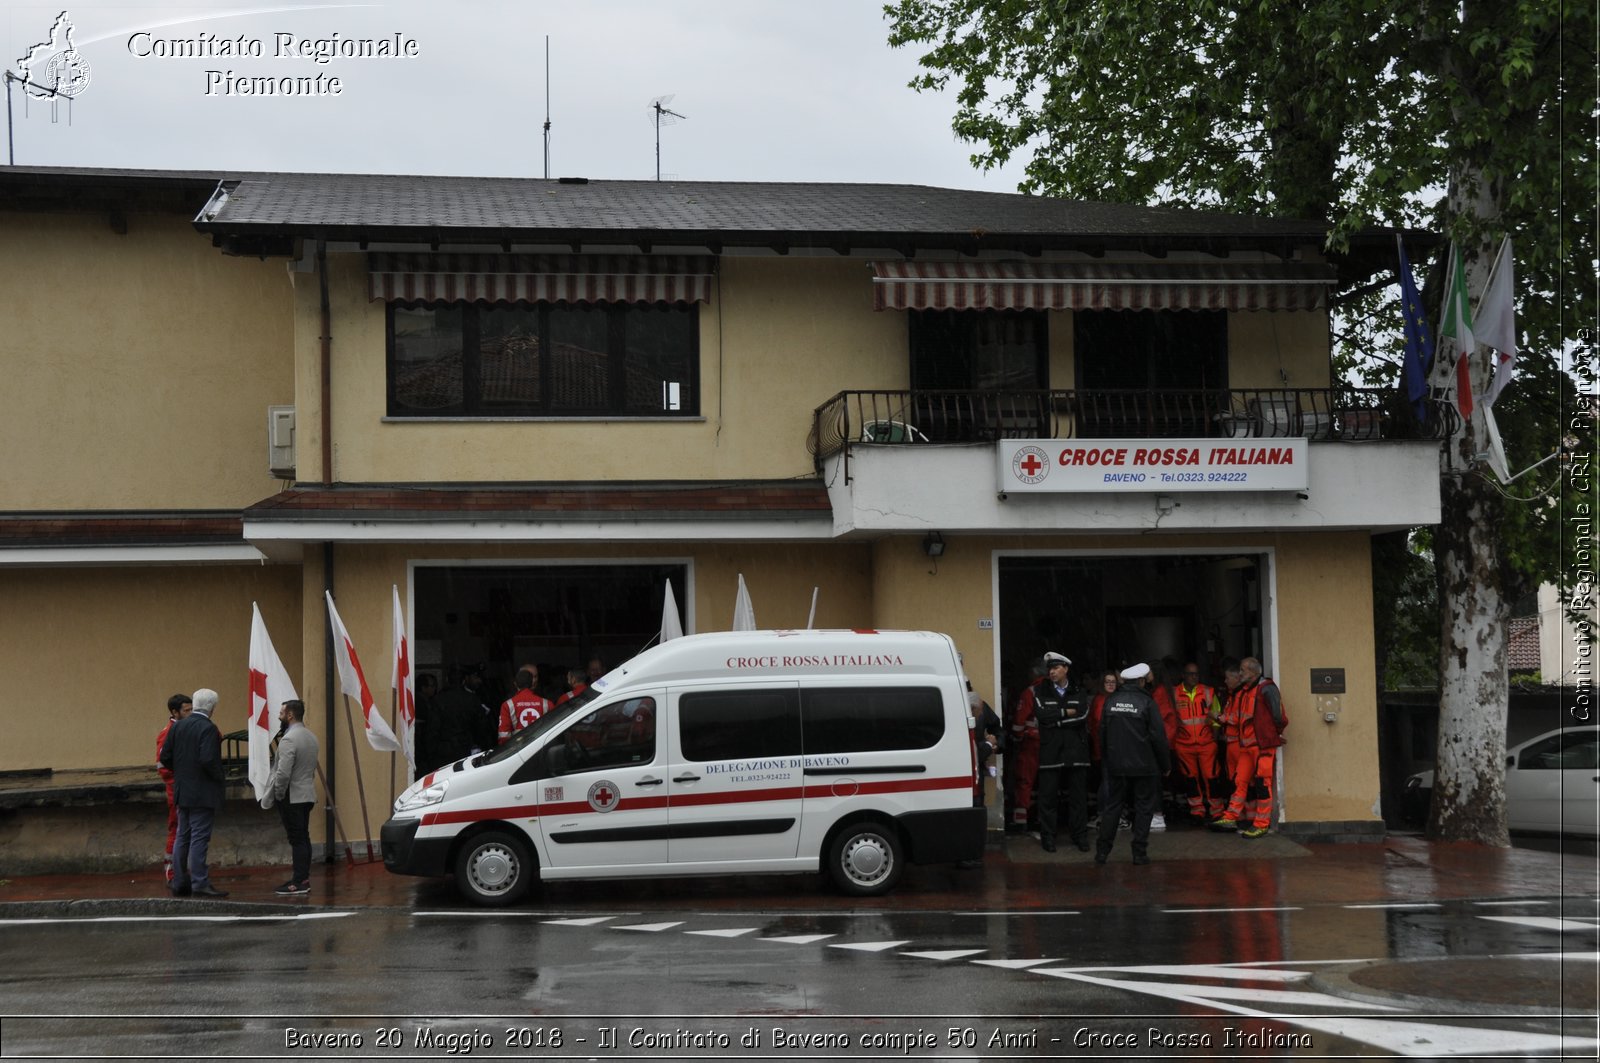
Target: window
{"points": [[870, 719], [1141, 349], [1569, 749], [545, 360], [978, 350], [739, 724], [618, 735]]}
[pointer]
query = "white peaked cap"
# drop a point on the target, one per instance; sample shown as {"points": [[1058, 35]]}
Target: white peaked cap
{"points": [[1136, 671]]}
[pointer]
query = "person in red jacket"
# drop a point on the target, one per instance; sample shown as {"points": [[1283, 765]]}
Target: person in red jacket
{"points": [[1194, 747], [1252, 721], [178, 706], [523, 707]]}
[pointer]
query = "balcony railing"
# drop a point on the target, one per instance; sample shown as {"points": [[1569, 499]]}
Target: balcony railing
{"points": [[911, 417]]}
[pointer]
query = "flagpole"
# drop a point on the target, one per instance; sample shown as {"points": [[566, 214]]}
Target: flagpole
{"points": [[361, 789], [394, 725], [349, 854]]}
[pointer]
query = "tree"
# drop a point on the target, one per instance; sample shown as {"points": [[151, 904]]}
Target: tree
{"points": [[1473, 117]]}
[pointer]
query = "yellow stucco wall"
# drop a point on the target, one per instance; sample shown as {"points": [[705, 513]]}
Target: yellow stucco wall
{"points": [[147, 362], [91, 655], [1324, 610], [788, 335]]}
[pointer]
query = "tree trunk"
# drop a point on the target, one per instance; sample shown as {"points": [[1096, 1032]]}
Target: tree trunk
{"points": [[1469, 785]]}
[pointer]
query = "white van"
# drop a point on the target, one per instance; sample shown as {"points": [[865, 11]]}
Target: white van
{"points": [[724, 753]]}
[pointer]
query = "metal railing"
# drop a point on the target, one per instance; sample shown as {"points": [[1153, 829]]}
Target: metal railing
{"points": [[1347, 414]]}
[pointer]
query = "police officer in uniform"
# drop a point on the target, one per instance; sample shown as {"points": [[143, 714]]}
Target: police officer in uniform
{"points": [[1134, 755], [1062, 716]]}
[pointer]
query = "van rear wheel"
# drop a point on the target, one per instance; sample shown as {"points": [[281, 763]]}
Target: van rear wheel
{"points": [[494, 869], [866, 858]]}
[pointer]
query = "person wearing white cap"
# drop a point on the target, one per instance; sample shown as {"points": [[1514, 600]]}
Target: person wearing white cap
{"points": [[1062, 716], [1134, 755]]}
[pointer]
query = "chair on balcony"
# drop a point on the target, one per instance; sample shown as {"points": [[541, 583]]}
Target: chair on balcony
{"points": [[891, 432]]}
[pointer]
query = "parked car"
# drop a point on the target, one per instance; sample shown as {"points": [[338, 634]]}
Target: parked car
{"points": [[1552, 784]]}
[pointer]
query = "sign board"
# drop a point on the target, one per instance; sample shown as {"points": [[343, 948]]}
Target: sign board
{"points": [[1153, 465], [1327, 680]]}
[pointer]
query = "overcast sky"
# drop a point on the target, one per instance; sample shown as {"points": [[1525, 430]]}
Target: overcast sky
{"points": [[771, 89]]}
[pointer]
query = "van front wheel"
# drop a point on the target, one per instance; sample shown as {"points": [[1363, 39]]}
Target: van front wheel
{"points": [[866, 859], [494, 869]]}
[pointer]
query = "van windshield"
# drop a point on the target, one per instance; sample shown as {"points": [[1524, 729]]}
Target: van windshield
{"points": [[520, 740]]}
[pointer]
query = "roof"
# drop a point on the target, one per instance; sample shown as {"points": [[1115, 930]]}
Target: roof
{"points": [[697, 500], [262, 213], [116, 528]]}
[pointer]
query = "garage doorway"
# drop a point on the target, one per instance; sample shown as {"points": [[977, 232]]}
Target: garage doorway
{"points": [[554, 615], [1111, 610]]}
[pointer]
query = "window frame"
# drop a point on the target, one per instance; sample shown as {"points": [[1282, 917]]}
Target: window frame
{"points": [[471, 406]]}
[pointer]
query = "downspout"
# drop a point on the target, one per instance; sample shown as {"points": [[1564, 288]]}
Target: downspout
{"points": [[330, 730]]}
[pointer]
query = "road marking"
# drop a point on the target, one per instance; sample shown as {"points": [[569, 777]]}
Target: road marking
{"points": [[871, 946], [1015, 965], [1506, 904], [1215, 911], [1031, 911], [1236, 973], [1417, 904], [649, 928], [287, 917], [945, 954], [738, 932], [801, 939], [580, 922], [1289, 998], [1541, 922], [477, 913]]}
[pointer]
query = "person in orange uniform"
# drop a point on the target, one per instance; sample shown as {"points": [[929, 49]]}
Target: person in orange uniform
{"points": [[1252, 725], [178, 706], [1195, 746], [523, 707]]}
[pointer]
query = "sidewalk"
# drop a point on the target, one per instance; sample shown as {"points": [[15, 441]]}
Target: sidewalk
{"points": [[1188, 868]]}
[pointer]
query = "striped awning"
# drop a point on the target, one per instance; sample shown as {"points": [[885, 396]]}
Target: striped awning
{"points": [[398, 277], [1017, 285]]}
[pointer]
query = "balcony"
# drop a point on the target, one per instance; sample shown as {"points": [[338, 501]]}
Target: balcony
{"points": [[926, 460]]}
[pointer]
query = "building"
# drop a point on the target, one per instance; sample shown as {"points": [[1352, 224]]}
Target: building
{"points": [[527, 404]]}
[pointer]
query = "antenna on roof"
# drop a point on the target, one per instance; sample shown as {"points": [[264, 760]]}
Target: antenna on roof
{"points": [[547, 107], [663, 117]]}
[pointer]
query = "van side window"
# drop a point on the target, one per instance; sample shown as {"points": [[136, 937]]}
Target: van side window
{"points": [[619, 734], [739, 724], [868, 719]]}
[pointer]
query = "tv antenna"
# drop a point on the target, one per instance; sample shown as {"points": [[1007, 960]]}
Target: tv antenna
{"points": [[663, 117], [547, 107]]}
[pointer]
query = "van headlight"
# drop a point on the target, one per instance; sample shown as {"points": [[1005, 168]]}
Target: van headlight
{"points": [[414, 799]]}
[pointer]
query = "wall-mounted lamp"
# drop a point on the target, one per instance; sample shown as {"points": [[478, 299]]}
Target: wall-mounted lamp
{"points": [[933, 545]]}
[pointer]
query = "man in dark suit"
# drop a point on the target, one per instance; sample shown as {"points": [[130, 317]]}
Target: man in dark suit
{"points": [[193, 752]]}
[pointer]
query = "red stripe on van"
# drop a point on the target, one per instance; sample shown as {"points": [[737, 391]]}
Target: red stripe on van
{"points": [[686, 800]]}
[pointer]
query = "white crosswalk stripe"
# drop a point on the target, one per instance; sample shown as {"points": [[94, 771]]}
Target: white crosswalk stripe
{"points": [[870, 946], [730, 933], [802, 939], [1542, 922], [580, 922], [944, 954], [649, 928]]}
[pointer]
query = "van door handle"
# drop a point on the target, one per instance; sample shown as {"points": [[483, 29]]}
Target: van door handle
{"points": [[648, 782], [686, 778]]}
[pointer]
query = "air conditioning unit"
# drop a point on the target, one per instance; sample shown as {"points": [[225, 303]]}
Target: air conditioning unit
{"points": [[280, 441]]}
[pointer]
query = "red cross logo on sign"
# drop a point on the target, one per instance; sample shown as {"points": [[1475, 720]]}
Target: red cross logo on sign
{"points": [[1030, 464], [603, 796]]}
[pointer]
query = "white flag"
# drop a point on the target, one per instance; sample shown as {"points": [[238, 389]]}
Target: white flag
{"points": [[270, 687], [403, 683], [744, 614], [671, 626], [1495, 323], [354, 683]]}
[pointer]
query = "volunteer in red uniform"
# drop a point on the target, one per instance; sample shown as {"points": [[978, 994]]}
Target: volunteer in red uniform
{"points": [[1023, 762], [1195, 747], [1252, 723], [523, 707], [178, 706]]}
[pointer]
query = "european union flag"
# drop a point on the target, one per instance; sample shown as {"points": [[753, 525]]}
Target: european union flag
{"points": [[1419, 342]]}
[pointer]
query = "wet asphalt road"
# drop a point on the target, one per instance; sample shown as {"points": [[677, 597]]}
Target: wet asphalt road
{"points": [[591, 980]]}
